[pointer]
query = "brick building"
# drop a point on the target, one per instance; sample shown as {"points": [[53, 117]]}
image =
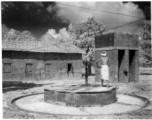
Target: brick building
{"points": [[122, 50], [37, 60]]}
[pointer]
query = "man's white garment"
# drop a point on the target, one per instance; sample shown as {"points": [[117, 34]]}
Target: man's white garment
{"points": [[104, 72]]}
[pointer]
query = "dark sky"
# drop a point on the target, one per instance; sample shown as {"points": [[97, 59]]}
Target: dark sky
{"points": [[145, 7], [30, 16], [34, 16]]}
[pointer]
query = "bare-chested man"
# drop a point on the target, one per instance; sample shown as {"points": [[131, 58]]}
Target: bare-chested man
{"points": [[104, 68]]}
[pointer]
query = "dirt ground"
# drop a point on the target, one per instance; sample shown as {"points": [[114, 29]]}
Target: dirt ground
{"points": [[10, 91]]}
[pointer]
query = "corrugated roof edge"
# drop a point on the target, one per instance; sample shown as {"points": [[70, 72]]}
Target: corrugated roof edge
{"points": [[6, 46]]}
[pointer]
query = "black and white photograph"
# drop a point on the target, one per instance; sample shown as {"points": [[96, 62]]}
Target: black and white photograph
{"points": [[76, 60]]}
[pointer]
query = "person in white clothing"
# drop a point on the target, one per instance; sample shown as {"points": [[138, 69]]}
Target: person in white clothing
{"points": [[104, 68]]}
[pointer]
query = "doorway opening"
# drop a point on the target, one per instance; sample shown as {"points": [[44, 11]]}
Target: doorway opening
{"points": [[70, 68], [131, 65], [121, 65]]}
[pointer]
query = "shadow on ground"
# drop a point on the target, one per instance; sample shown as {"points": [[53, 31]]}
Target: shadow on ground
{"points": [[12, 86]]}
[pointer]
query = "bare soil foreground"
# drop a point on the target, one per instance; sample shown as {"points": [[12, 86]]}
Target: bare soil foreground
{"points": [[16, 89]]}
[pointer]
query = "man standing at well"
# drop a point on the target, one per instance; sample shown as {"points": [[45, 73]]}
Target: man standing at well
{"points": [[104, 68]]}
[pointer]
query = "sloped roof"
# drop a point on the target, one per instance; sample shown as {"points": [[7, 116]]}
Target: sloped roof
{"points": [[39, 46]]}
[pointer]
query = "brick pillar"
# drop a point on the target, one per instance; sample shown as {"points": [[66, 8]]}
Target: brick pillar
{"points": [[126, 69], [134, 66], [97, 70], [113, 58], [137, 66]]}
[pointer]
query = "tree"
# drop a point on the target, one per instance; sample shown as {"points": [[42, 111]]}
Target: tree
{"points": [[84, 37], [146, 43], [17, 35], [3, 34]]}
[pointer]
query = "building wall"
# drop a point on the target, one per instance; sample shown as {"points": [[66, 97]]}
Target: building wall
{"points": [[123, 53], [117, 41], [57, 62], [123, 68], [105, 40]]}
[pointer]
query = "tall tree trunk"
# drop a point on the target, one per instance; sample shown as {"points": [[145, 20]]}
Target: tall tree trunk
{"points": [[86, 74], [89, 69]]}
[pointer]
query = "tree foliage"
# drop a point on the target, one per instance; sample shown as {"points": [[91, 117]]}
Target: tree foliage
{"points": [[3, 34], [146, 43], [84, 36], [17, 35]]}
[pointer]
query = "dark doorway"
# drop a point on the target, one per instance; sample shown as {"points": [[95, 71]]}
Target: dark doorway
{"points": [[121, 65], [47, 67], [132, 65], [28, 71], [28, 67], [70, 68], [121, 54]]}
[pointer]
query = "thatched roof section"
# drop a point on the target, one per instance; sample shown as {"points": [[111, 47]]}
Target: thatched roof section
{"points": [[39, 46]]}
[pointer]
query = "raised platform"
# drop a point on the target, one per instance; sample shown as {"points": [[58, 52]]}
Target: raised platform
{"points": [[80, 95]]}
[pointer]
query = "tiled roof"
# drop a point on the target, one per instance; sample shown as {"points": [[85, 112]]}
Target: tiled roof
{"points": [[39, 46]]}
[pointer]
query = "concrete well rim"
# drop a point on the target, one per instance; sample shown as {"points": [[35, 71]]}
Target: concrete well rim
{"points": [[12, 104]]}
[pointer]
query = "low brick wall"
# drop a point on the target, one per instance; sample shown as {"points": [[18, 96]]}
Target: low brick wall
{"points": [[80, 98], [145, 71]]}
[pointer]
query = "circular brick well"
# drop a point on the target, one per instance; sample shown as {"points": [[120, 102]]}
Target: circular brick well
{"points": [[81, 96]]}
